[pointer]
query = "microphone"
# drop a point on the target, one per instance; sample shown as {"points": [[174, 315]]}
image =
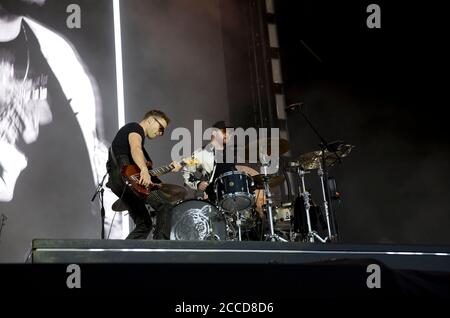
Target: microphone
{"points": [[294, 106]]}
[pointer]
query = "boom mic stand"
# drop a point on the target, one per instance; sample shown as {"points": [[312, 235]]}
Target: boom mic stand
{"points": [[323, 174], [101, 191]]}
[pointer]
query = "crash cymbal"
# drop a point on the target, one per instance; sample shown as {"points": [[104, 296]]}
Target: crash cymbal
{"points": [[274, 180], [313, 160], [173, 191], [265, 145]]}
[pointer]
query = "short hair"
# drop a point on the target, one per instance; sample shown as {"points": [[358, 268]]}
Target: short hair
{"points": [[157, 113], [221, 125]]}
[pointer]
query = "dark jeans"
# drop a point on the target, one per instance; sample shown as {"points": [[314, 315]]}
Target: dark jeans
{"points": [[162, 205], [141, 217], [135, 206]]}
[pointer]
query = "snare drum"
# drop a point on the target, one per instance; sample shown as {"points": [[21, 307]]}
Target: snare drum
{"points": [[233, 191]]}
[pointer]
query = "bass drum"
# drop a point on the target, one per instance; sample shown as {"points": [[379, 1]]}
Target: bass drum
{"points": [[197, 220]]}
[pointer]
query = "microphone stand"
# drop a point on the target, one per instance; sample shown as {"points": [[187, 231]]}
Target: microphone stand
{"points": [[101, 191], [2, 223], [323, 174]]}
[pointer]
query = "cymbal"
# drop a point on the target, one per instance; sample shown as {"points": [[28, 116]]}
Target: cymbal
{"points": [[274, 180], [248, 170], [173, 191], [313, 160], [266, 146]]}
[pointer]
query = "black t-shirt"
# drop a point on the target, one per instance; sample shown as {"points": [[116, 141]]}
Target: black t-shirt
{"points": [[121, 145]]}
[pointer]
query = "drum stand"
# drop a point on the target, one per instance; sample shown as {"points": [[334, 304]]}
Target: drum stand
{"points": [[211, 236], [325, 202], [305, 194], [272, 237], [231, 229], [238, 222]]}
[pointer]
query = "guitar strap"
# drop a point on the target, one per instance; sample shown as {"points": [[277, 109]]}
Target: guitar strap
{"points": [[119, 161], [113, 167]]}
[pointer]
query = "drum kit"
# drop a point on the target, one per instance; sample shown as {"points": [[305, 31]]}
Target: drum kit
{"points": [[234, 217]]}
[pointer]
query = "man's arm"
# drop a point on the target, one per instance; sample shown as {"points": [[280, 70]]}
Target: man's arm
{"points": [[201, 157], [188, 171], [193, 184], [137, 153], [187, 179]]}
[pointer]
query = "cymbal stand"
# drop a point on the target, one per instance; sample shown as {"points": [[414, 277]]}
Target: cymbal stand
{"points": [[268, 194], [305, 194], [325, 202]]}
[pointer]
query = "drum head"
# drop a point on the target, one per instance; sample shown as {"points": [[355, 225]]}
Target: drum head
{"points": [[236, 201], [197, 220]]}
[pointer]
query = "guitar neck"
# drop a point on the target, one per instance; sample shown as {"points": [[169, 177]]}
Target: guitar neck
{"points": [[163, 170], [160, 171]]}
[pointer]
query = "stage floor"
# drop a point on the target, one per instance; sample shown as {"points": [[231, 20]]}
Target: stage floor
{"points": [[257, 271], [409, 257]]}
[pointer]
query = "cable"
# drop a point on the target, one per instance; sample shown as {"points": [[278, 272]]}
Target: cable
{"points": [[2, 223], [28, 255], [112, 222]]}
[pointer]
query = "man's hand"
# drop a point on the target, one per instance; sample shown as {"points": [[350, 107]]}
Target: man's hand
{"points": [[202, 185], [176, 166], [145, 179]]}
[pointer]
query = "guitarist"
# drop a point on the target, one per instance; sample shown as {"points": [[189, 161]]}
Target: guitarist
{"points": [[128, 148]]}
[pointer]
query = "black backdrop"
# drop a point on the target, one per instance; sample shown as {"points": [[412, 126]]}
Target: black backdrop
{"points": [[383, 91]]}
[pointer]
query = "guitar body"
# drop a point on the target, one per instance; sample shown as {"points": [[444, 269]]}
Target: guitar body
{"points": [[131, 174]]}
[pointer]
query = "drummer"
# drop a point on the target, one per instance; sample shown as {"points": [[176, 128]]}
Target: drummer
{"points": [[212, 163]]}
